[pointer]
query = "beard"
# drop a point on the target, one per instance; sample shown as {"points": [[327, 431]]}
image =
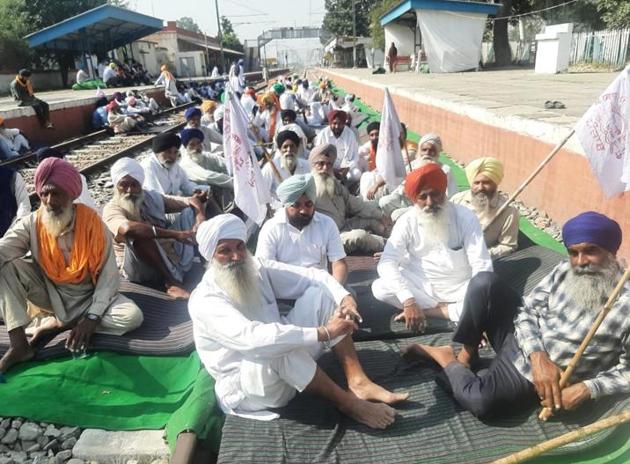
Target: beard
{"points": [[239, 279], [288, 162], [130, 203], [55, 222], [590, 286], [300, 221], [195, 155], [483, 201], [324, 184], [434, 221]]}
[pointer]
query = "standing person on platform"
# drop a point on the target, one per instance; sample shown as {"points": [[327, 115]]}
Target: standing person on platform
{"points": [[61, 259], [434, 250], [22, 91], [345, 142], [168, 81], [536, 337], [299, 235], [484, 176], [14, 199], [287, 161], [149, 250], [260, 359], [392, 56]]}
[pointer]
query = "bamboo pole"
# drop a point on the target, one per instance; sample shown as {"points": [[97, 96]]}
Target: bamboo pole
{"points": [[274, 168], [546, 413], [531, 177], [569, 437], [407, 153]]}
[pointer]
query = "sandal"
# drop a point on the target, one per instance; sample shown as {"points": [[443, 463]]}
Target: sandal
{"points": [[549, 105], [558, 105]]}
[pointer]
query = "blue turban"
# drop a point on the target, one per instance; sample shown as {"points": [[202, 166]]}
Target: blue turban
{"points": [[191, 113], [592, 227], [291, 189], [188, 134]]}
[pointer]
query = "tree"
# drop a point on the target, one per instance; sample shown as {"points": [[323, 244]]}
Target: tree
{"points": [[189, 24], [13, 27], [229, 39], [376, 30], [615, 14], [338, 17]]}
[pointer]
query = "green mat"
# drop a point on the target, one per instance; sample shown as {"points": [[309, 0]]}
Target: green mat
{"points": [[116, 392]]}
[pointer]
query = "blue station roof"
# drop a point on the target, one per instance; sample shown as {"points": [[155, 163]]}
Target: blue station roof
{"points": [[408, 7], [102, 28]]}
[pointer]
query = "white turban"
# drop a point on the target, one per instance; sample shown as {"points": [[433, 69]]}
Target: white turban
{"points": [[218, 113], [221, 227], [433, 139], [126, 167]]}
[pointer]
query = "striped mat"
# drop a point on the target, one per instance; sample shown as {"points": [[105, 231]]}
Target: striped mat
{"points": [[430, 428]]}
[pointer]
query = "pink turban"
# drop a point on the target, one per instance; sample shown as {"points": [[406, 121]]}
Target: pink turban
{"points": [[59, 173]]}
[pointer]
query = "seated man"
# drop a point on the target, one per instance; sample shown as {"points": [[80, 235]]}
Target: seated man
{"points": [[193, 121], [14, 200], [484, 176], [22, 91], [200, 166], [286, 160], [434, 250], [354, 216], [259, 358], [536, 338], [345, 142], [148, 249], [12, 142], [299, 235], [70, 274]]}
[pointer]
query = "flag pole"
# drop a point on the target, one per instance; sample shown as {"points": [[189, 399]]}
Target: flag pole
{"points": [[546, 413], [531, 177], [407, 153]]}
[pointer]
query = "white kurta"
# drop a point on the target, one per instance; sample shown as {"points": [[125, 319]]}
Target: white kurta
{"points": [[316, 245], [86, 197], [347, 150], [254, 360], [412, 267], [167, 181], [21, 197], [271, 181]]}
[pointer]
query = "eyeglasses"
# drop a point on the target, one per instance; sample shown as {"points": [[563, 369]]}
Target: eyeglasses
{"points": [[321, 164]]}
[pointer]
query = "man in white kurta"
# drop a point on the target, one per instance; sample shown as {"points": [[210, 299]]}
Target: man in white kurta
{"points": [[299, 235], [434, 250], [261, 359], [286, 161], [342, 137]]}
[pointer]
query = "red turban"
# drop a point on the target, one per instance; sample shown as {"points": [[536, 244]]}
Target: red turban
{"points": [[61, 174], [336, 113], [429, 176]]}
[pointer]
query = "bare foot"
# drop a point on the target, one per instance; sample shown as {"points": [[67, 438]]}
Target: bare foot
{"points": [[374, 415], [177, 292], [51, 325], [443, 355], [367, 390], [14, 356]]}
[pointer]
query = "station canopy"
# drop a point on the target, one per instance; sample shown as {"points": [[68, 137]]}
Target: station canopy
{"points": [[97, 30]]}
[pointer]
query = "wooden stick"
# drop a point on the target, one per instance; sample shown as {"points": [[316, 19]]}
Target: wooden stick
{"points": [[569, 437], [529, 179], [546, 413], [276, 173], [407, 153]]}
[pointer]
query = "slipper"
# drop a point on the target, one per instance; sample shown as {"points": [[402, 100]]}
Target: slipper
{"points": [[549, 105], [558, 105]]}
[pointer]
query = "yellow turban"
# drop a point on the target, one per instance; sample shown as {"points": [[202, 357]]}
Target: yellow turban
{"points": [[492, 168], [208, 106]]}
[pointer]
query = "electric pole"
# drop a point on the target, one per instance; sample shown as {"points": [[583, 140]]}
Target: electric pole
{"points": [[354, 34], [216, 5]]}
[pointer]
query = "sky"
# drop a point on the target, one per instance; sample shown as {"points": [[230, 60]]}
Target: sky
{"points": [[249, 17]]}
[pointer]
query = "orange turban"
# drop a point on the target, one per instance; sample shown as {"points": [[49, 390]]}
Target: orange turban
{"points": [[429, 176]]}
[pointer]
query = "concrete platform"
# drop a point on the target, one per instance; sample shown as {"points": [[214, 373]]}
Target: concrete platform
{"points": [[502, 114]]}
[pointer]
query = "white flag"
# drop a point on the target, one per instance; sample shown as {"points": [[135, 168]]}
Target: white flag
{"points": [[389, 160], [605, 137], [250, 193]]}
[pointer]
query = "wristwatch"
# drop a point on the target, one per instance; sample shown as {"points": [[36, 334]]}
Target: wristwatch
{"points": [[93, 317]]}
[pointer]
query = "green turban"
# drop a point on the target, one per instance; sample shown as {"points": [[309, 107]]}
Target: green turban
{"points": [[291, 189], [278, 88]]}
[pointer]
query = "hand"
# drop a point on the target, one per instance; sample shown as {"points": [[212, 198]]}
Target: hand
{"points": [[81, 334], [202, 195], [575, 395], [372, 192], [339, 326], [348, 309], [341, 173], [185, 236], [413, 316], [546, 380]]}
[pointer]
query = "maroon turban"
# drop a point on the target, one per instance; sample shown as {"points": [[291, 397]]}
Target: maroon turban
{"points": [[337, 114], [428, 176], [61, 174]]}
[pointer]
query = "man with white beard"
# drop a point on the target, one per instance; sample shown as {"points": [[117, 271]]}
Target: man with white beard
{"points": [[200, 166], [149, 250], [484, 176], [261, 359], [286, 160], [362, 224], [60, 258], [536, 338], [193, 121], [434, 250]]}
